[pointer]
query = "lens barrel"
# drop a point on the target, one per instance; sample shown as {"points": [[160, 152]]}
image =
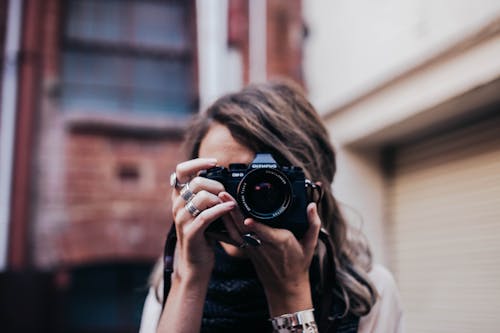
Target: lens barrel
{"points": [[264, 193]]}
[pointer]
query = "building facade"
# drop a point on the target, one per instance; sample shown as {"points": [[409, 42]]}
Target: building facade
{"points": [[96, 96], [411, 96], [104, 91]]}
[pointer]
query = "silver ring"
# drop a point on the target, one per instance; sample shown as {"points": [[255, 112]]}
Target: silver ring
{"points": [[192, 209], [186, 193], [174, 182], [250, 239], [243, 245]]}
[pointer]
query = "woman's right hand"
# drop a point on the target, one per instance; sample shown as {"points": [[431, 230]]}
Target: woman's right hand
{"points": [[194, 254]]}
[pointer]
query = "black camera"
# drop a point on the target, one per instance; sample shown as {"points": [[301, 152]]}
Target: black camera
{"points": [[269, 193]]}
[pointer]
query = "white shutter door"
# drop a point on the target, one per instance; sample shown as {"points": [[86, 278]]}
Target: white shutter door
{"points": [[444, 208]]}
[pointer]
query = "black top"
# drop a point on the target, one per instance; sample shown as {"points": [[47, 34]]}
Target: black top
{"points": [[235, 298], [236, 301]]}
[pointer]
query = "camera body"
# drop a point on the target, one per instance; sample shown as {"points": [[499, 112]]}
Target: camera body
{"points": [[274, 195]]}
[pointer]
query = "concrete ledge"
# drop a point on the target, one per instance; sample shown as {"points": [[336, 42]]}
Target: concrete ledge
{"points": [[131, 125], [451, 85]]}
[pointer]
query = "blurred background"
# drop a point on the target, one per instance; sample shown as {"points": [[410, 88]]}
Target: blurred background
{"points": [[96, 95]]}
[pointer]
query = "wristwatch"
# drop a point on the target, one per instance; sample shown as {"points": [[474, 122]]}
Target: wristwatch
{"points": [[298, 322]]}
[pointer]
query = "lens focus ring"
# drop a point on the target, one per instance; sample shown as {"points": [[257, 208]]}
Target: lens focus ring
{"points": [[264, 193]]}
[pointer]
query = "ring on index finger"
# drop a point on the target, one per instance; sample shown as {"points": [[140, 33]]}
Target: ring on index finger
{"points": [[174, 181], [186, 192]]}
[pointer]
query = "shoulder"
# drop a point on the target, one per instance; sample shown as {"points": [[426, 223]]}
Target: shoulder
{"points": [[383, 280], [387, 313]]}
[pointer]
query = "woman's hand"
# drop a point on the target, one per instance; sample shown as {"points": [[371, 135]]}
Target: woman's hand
{"points": [[282, 262], [194, 255]]}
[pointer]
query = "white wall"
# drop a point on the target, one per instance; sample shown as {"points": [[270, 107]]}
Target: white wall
{"points": [[220, 68], [355, 44], [360, 189]]}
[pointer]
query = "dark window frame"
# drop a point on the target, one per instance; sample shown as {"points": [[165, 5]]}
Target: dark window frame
{"points": [[184, 54]]}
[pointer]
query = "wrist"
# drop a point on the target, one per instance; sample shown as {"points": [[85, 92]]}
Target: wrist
{"points": [[290, 298], [184, 305], [188, 288], [189, 270], [190, 278]]}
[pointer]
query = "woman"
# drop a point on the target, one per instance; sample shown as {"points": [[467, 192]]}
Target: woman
{"points": [[256, 278]]}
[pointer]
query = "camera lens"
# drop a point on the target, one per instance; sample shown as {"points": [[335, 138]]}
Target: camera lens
{"points": [[264, 193]]}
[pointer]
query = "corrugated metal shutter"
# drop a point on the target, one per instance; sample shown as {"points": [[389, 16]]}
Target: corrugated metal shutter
{"points": [[444, 208]]}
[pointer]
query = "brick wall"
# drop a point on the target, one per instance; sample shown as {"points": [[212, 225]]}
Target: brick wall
{"points": [[115, 203], [97, 195], [102, 195], [285, 36]]}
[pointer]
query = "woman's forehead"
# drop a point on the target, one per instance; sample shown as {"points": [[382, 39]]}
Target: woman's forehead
{"points": [[220, 144]]}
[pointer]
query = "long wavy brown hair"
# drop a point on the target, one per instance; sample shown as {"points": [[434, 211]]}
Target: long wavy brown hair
{"points": [[277, 118]]}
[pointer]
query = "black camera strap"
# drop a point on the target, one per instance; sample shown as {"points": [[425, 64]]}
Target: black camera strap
{"points": [[168, 261], [326, 322]]}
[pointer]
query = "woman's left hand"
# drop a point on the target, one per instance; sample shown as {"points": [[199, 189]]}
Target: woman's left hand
{"points": [[282, 262]]}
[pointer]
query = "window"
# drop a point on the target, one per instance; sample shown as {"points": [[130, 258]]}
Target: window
{"points": [[124, 56]]}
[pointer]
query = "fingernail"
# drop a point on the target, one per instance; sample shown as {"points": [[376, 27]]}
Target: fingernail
{"points": [[312, 208], [230, 204], [212, 161]]}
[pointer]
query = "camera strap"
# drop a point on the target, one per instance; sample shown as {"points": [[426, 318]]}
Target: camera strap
{"points": [[168, 261], [326, 323], [314, 191]]}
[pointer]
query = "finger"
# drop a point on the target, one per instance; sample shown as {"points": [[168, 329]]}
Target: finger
{"points": [[235, 214], [232, 230], [234, 220], [226, 197], [201, 183], [196, 185], [266, 233], [310, 238], [223, 237], [206, 217], [201, 200], [186, 170]]}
